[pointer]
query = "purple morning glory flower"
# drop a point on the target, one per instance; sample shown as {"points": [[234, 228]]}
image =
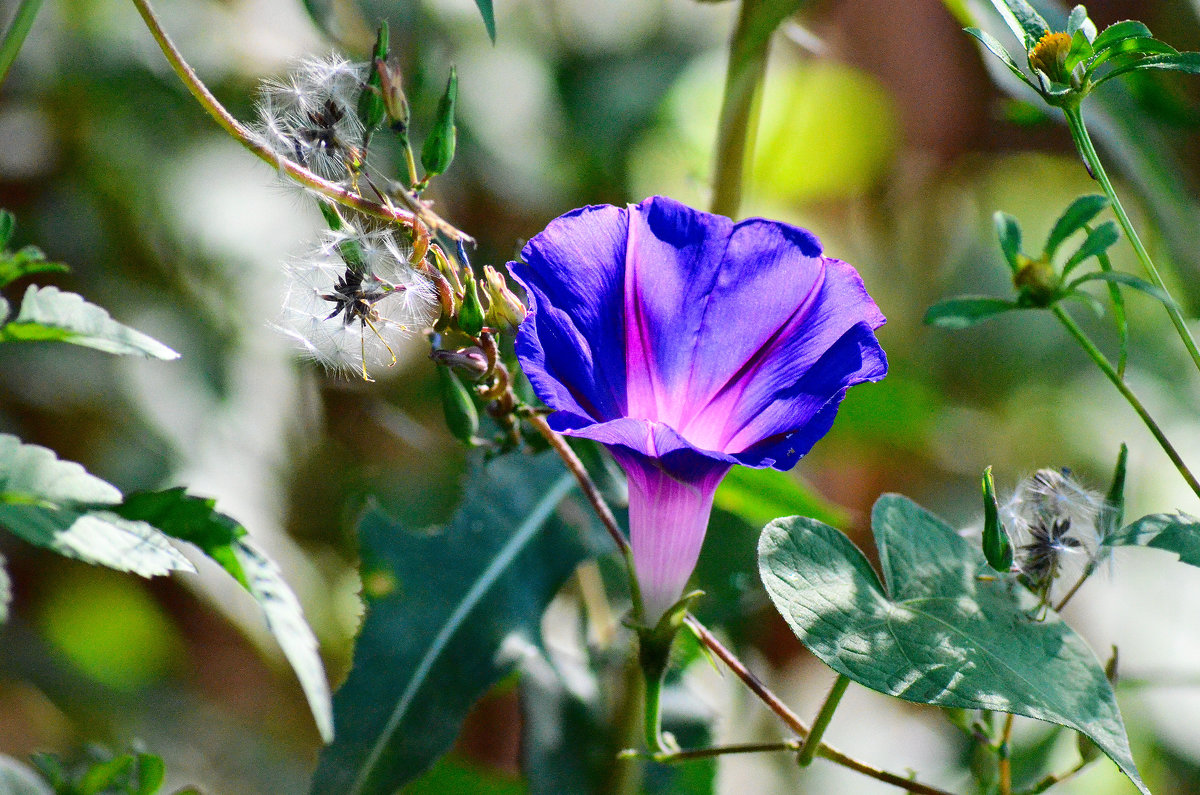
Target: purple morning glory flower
{"points": [[687, 343]]}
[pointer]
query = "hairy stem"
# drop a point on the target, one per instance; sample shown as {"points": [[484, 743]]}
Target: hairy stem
{"points": [[416, 208], [14, 37], [813, 741], [1088, 151], [756, 686], [1111, 373]]}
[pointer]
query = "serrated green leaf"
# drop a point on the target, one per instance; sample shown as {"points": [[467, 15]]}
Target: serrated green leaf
{"points": [[1075, 217], [17, 778], [47, 313], [1117, 31], [1008, 232], [436, 632], [1098, 241], [966, 311], [1127, 279], [489, 17], [759, 495], [946, 630], [29, 260], [225, 540], [997, 49], [1171, 532], [58, 505]]}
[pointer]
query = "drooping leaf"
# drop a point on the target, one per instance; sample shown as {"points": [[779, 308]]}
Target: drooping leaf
{"points": [[25, 262], [225, 540], [1097, 242], [446, 609], [966, 311], [489, 17], [58, 505], [47, 313], [17, 778], [944, 629], [1075, 217], [1126, 29], [1172, 532], [759, 495]]}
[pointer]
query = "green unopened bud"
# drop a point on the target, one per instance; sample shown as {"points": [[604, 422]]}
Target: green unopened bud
{"points": [[1036, 281], [371, 109], [438, 151], [470, 360], [505, 311], [470, 312], [462, 418]]}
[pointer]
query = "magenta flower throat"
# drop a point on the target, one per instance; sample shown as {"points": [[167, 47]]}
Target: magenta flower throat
{"points": [[687, 343]]}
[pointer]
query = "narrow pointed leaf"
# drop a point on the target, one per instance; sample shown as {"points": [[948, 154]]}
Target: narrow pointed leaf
{"points": [[446, 610], [942, 629], [1097, 242], [58, 505], [1171, 532], [222, 538], [1008, 232], [1127, 279], [965, 311], [1114, 502], [47, 313], [1074, 218], [997, 49], [29, 260], [1188, 62], [489, 17]]}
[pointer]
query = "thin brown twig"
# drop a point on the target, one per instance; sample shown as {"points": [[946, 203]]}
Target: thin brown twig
{"points": [[1006, 756], [227, 121]]}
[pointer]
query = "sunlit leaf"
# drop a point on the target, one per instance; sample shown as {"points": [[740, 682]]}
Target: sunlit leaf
{"points": [[222, 538], [1025, 22], [1188, 62], [447, 613], [1171, 532], [58, 505], [1132, 48], [759, 495], [966, 311], [29, 260], [943, 629], [47, 313], [997, 49], [1126, 29]]}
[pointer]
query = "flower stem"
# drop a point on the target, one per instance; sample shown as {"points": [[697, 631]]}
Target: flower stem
{"points": [[696, 754], [756, 686], [415, 207], [1006, 756], [748, 50], [813, 741], [1087, 150], [15, 36], [1110, 372]]}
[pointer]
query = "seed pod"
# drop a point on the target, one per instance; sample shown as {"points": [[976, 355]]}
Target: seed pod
{"points": [[997, 547], [462, 418], [438, 151], [371, 110], [470, 313]]}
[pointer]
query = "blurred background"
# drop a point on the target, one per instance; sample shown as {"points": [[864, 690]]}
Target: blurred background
{"points": [[880, 130]]}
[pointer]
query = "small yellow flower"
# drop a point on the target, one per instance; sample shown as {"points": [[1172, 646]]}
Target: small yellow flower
{"points": [[1050, 55]]}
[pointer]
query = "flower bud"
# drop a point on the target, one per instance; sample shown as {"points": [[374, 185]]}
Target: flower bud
{"points": [[470, 360], [470, 312], [1049, 56], [1037, 281], [505, 310], [462, 418], [438, 151]]}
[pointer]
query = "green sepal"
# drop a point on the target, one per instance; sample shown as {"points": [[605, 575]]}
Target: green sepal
{"points": [[654, 657], [438, 151], [470, 313], [1075, 217], [997, 546], [462, 418]]}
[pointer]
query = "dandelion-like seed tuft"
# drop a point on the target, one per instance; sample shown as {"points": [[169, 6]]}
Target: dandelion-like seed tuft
{"points": [[353, 300], [310, 116], [1055, 520]]}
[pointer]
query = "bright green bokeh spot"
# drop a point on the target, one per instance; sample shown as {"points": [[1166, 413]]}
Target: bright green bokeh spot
{"points": [[108, 627]]}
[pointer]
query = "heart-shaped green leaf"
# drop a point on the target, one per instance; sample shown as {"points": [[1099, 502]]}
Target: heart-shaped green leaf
{"points": [[946, 629]]}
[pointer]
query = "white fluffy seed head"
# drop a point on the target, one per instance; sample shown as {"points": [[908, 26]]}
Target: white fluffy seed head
{"points": [[310, 115], [1055, 523], [346, 343]]}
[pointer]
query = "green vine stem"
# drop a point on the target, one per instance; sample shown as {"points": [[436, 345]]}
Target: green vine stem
{"points": [[813, 741], [15, 36], [1087, 150], [748, 50], [1111, 373], [415, 207]]}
